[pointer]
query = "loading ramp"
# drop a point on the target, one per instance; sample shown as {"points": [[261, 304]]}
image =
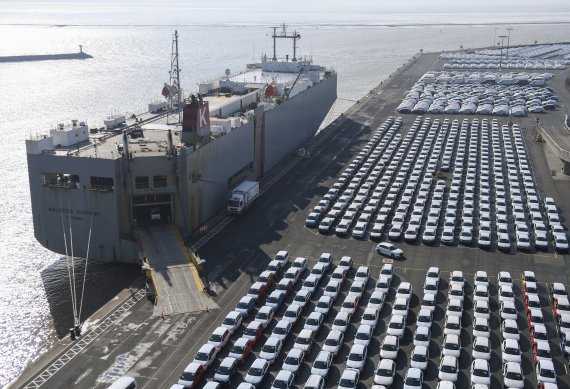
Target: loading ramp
{"points": [[178, 285]]}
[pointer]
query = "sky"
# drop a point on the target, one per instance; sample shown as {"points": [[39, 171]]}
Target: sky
{"points": [[258, 11]]}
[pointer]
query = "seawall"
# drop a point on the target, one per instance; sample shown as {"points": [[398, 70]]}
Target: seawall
{"points": [[45, 57]]}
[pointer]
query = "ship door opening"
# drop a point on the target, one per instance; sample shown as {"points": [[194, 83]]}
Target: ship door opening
{"points": [[152, 208]]}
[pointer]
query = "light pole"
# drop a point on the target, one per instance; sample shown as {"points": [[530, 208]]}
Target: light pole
{"points": [[508, 41], [495, 38], [502, 45]]}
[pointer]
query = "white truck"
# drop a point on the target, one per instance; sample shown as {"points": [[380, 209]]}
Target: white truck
{"points": [[242, 196]]}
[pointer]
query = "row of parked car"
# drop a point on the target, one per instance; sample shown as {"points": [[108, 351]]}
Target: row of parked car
{"points": [[492, 191], [481, 93], [552, 50]]}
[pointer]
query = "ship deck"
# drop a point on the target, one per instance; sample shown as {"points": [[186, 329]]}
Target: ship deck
{"points": [[155, 351]]}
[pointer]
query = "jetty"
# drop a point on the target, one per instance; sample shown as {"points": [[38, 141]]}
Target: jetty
{"points": [[46, 57]]}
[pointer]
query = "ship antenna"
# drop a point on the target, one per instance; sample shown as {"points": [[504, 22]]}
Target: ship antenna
{"points": [[176, 93]]}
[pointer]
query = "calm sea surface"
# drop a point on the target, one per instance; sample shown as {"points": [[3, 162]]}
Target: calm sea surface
{"points": [[128, 70]]}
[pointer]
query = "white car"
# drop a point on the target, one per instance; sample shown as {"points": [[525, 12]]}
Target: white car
{"points": [[457, 276], [326, 259], [341, 322], [430, 286], [481, 327], [332, 289], [265, 315], [456, 291], [362, 274], [387, 271], [420, 357], [448, 235], [454, 307], [508, 310], [363, 335], [504, 279], [481, 309], [271, 349], [481, 348], [310, 284], [357, 288], [257, 372], [190, 375], [219, 338], [345, 263], [283, 380], [404, 291], [314, 322], [542, 350], [388, 249], [227, 368], [428, 302], [282, 329], [357, 357], [294, 360], [370, 317], [511, 351], [451, 345], [348, 380], [350, 305], [513, 375], [397, 326], [506, 293], [433, 273], [390, 347], [293, 274], [324, 305], [232, 321], [481, 278], [292, 313], [424, 318], [452, 325], [510, 329], [558, 290], [322, 364], [339, 275], [414, 378], [385, 372], [545, 372], [334, 342], [376, 300], [301, 298], [429, 235], [481, 292], [448, 369], [401, 307], [299, 263], [480, 372], [383, 284], [422, 337], [304, 340], [535, 317]]}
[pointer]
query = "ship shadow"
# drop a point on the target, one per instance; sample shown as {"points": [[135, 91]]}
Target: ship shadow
{"points": [[103, 282]]}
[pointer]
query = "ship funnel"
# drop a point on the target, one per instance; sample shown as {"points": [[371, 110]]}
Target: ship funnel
{"points": [[170, 143], [195, 121], [125, 145]]}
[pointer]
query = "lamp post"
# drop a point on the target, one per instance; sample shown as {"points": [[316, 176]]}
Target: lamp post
{"points": [[495, 38], [508, 41], [502, 45]]}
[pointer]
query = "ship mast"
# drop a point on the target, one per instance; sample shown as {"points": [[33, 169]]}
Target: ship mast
{"points": [[175, 97], [283, 35]]}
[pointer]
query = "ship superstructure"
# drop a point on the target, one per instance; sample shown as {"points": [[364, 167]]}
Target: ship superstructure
{"points": [[104, 184]]}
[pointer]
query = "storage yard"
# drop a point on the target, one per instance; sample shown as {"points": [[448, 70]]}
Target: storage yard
{"points": [[495, 157]]}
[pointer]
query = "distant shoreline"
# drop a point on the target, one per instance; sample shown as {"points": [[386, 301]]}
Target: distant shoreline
{"points": [[297, 25]]}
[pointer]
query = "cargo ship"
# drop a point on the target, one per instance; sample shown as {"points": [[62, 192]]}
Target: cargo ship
{"points": [[92, 189]]}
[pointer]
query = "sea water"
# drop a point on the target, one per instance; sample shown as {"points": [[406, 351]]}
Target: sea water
{"points": [[129, 67]]}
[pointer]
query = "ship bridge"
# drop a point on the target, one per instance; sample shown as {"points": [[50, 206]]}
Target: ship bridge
{"points": [[173, 272]]}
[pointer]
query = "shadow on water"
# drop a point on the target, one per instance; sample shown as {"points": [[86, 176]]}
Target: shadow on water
{"points": [[102, 283]]}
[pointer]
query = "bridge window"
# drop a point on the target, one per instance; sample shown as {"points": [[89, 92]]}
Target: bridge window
{"points": [[159, 181], [141, 182], [61, 180], [104, 184]]}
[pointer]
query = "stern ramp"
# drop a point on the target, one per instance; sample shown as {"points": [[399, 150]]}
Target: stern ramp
{"points": [[178, 286]]}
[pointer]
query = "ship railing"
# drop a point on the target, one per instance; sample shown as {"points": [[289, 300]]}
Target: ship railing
{"points": [[102, 188], [61, 184], [562, 153]]}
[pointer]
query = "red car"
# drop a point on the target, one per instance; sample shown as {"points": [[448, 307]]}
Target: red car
{"points": [[241, 349], [192, 375], [254, 331]]}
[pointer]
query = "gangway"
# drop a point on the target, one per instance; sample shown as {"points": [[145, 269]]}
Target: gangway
{"points": [[178, 286]]}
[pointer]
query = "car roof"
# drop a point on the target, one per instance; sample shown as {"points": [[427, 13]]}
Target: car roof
{"points": [[242, 341], [259, 363], [546, 364], [192, 367], [206, 348], [350, 373], [480, 363], [228, 361], [414, 372], [386, 363]]}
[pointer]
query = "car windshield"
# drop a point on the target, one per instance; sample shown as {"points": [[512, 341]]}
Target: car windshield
{"points": [[512, 350], [362, 336], [202, 357], [431, 287], [481, 348], [509, 310], [243, 305], [419, 357], [507, 293], [396, 324], [421, 337], [481, 327], [339, 322], [290, 313], [262, 315], [511, 330], [400, 307], [540, 335], [229, 321], [331, 342], [506, 280], [255, 371], [547, 373], [187, 376], [543, 352], [346, 383], [323, 304], [389, 347], [269, 348], [302, 340], [452, 346], [312, 322], [375, 300], [280, 330], [448, 369], [514, 376], [412, 381], [482, 293], [453, 326], [250, 331], [291, 361], [321, 365], [348, 304], [237, 350], [481, 372], [355, 357], [280, 384], [384, 372], [224, 370], [371, 316]]}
